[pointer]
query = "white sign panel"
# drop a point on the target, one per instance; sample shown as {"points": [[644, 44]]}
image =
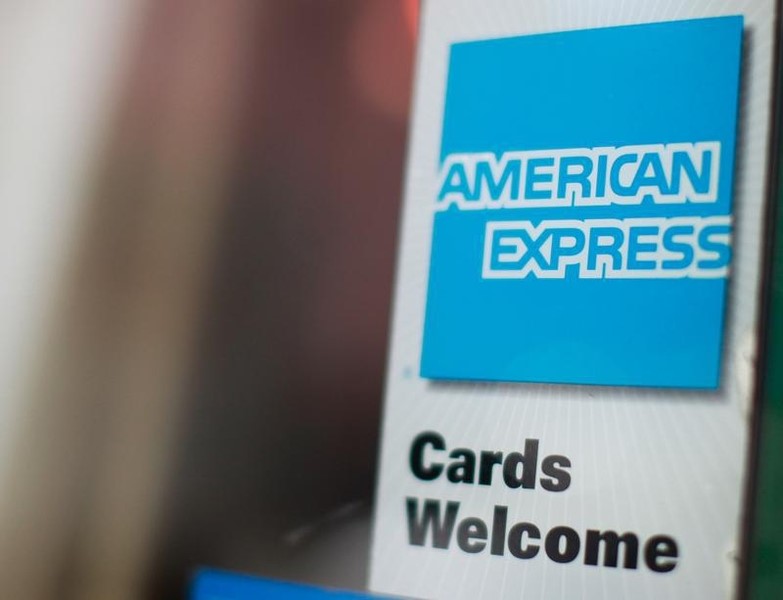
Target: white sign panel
{"points": [[567, 405]]}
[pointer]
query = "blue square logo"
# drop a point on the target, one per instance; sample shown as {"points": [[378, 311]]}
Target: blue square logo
{"points": [[582, 228]]}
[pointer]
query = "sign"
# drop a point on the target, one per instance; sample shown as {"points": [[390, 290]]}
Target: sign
{"points": [[579, 209], [209, 584], [571, 376]]}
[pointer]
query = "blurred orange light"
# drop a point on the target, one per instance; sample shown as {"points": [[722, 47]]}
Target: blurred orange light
{"points": [[411, 9]]}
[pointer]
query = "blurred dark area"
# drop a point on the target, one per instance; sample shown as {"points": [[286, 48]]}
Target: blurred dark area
{"points": [[203, 377], [287, 383]]}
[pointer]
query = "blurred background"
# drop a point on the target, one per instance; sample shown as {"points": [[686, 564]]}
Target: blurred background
{"points": [[199, 204]]}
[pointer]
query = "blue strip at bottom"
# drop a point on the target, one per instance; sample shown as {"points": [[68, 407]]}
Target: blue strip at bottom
{"points": [[218, 585]]}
